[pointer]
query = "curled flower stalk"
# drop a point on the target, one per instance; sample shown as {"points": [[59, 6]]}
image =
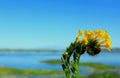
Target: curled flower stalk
{"points": [[92, 43]]}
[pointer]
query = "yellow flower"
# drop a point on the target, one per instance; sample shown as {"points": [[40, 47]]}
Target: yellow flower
{"points": [[95, 31], [78, 36], [102, 38], [84, 40], [87, 33], [79, 33], [105, 35], [99, 34], [108, 44], [91, 35]]}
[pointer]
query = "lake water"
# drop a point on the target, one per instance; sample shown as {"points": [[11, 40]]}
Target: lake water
{"points": [[31, 60]]}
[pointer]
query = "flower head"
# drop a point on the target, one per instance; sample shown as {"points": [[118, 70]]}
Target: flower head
{"points": [[94, 40]]}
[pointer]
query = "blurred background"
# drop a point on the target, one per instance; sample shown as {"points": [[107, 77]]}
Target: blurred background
{"points": [[34, 34]]}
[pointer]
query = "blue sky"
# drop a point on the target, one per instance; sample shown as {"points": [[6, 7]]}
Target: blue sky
{"points": [[54, 23]]}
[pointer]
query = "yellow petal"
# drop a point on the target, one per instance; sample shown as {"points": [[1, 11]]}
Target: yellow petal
{"points": [[84, 40], [95, 31], [79, 32], [99, 34], [78, 36], [88, 34], [108, 44]]}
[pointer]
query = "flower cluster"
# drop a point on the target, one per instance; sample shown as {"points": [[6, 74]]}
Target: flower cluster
{"points": [[91, 43], [101, 38]]}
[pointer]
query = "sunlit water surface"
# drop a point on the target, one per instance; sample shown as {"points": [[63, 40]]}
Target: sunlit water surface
{"points": [[31, 60]]}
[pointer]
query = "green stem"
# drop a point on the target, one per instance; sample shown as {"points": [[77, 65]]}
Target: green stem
{"points": [[71, 68], [75, 65]]}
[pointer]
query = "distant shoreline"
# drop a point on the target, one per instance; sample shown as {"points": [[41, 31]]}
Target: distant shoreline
{"points": [[113, 50], [47, 50], [29, 50]]}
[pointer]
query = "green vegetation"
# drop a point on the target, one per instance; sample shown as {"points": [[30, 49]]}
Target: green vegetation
{"points": [[89, 64], [105, 75], [4, 70], [95, 66], [98, 71], [17, 73], [52, 61], [98, 66]]}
